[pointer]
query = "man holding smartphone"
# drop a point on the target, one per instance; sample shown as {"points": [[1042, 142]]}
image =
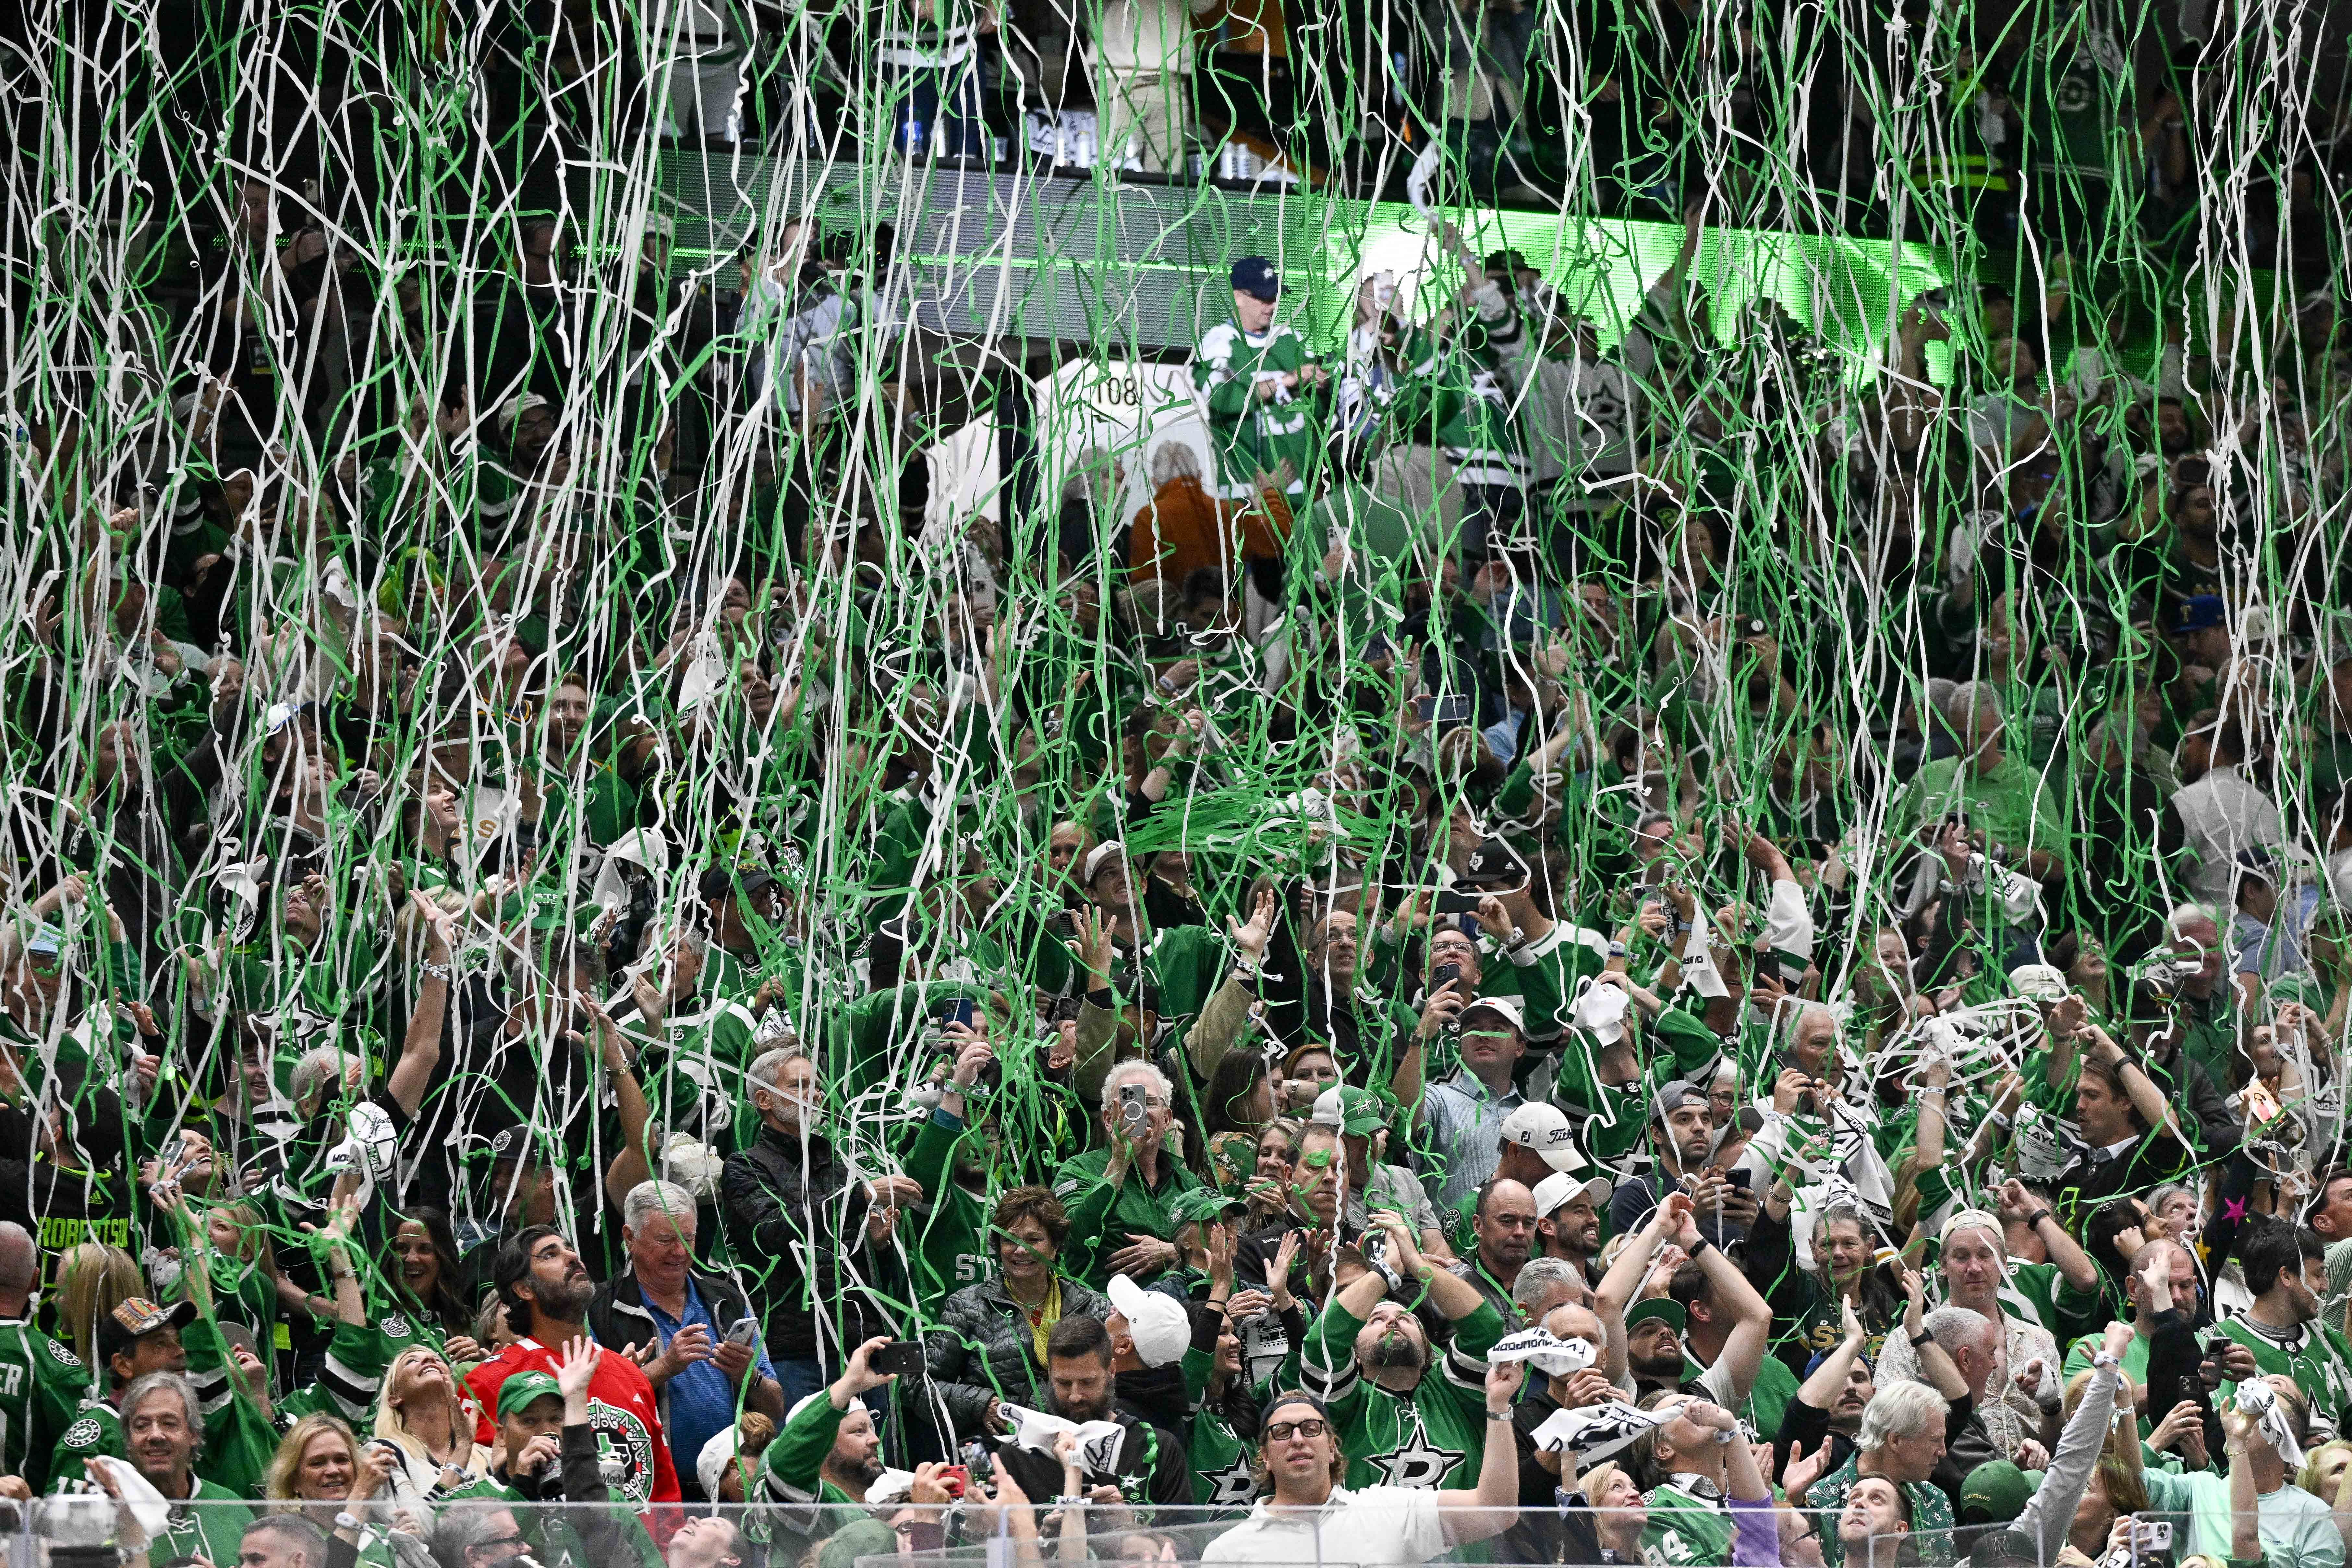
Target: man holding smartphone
{"points": [[694, 1334]]}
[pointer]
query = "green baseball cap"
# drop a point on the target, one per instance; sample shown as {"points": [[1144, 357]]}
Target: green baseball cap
{"points": [[1354, 1111], [1996, 1492], [522, 1387], [1664, 1308], [1202, 1204]]}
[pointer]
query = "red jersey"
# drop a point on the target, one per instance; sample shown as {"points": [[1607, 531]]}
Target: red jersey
{"points": [[621, 1407]]}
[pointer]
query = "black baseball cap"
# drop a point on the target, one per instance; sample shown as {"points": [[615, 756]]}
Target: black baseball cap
{"points": [[715, 882], [1494, 864]]}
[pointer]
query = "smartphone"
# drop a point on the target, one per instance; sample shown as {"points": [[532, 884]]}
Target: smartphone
{"points": [[1444, 974], [1736, 1178], [1134, 1114], [962, 1011], [956, 1478], [1442, 713], [904, 1357], [1458, 901], [742, 1330], [2155, 1536]]}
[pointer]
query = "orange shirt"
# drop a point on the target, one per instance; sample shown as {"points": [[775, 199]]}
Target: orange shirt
{"points": [[1183, 528]]}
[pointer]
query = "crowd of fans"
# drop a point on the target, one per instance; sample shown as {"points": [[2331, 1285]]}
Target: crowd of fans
{"points": [[1665, 939]]}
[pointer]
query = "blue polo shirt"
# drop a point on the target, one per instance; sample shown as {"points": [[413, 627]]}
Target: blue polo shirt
{"points": [[701, 1400]]}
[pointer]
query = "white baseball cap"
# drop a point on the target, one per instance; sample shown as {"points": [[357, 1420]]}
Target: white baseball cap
{"points": [[1157, 1323], [1543, 1127], [1097, 857], [1560, 1187]]}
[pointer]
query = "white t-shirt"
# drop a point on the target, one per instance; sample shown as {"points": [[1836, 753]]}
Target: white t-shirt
{"points": [[1373, 1528]]}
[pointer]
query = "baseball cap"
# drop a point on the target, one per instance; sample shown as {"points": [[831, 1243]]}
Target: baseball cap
{"points": [[1256, 277], [2199, 612], [1201, 1204], [1996, 1492], [1507, 1008], [1560, 1187], [1494, 864], [510, 413], [864, 1541], [1543, 1127], [714, 883], [1158, 1324], [1350, 1110], [2038, 982], [710, 1465], [1674, 1096], [135, 1317], [519, 1389], [1098, 856], [1664, 1308]]}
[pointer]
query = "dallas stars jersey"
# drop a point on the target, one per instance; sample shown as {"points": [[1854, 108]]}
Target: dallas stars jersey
{"points": [[42, 1384], [1685, 1527], [1253, 434], [2317, 1357], [1436, 1436]]}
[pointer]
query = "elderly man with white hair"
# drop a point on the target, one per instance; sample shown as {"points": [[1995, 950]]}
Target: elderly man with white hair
{"points": [[695, 1332], [1901, 1440]]}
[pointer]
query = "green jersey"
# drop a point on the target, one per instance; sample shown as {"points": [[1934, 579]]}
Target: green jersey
{"points": [[1685, 1527], [211, 1525], [2315, 1355], [1251, 432], [951, 1247], [1436, 1436], [42, 1384], [1223, 1466]]}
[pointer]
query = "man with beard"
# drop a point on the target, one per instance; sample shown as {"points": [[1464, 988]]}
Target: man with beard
{"points": [[1737, 1319], [1568, 1219], [1081, 1365], [1682, 1127], [1370, 1360], [829, 1452], [546, 1290]]}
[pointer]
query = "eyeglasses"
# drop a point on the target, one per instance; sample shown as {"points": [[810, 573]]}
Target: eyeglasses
{"points": [[1283, 1431], [501, 1542]]}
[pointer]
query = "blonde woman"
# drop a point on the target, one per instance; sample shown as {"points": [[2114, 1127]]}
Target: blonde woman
{"points": [[321, 1471], [93, 1278], [426, 1418]]}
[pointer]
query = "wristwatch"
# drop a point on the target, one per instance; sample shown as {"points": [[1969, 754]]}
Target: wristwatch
{"points": [[1921, 1338]]}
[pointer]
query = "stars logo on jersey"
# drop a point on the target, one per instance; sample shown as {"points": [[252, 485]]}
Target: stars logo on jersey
{"points": [[625, 1450], [1415, 1461], [395, 1326], [64, 1356], [1234, 1486], [80, 1434]]}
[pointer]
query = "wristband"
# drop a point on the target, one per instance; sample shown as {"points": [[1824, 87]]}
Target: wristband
{"points": [[1921, 1338], [1701, 1244], [432, 971], [1616, 949], [346, 1521], [2103, 1359], [1498, 1415], [2033, 1221]]}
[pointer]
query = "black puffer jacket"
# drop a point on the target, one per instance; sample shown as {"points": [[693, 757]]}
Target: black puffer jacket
{"points": [[795, 1226], [983, 1348]]}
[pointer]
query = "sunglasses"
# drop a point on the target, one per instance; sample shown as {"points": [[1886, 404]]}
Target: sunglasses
{"points": [[1283, 1431]]}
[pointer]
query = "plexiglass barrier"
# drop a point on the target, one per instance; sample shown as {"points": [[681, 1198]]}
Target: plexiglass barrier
{"points": [[1377, 1528]]}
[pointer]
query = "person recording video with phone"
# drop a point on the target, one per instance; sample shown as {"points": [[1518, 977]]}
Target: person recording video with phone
{"points": [[694, 1334]]}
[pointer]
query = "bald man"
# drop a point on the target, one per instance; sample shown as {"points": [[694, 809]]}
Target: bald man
{"points": [[41, 1382]]}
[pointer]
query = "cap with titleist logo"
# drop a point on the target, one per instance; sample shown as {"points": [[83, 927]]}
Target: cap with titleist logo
{"points": [[1543, 1127]]}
